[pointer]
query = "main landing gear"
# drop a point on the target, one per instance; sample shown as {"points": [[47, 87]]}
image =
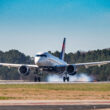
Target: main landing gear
{"points": [[66, 78], [37, 79], [38, 75]]}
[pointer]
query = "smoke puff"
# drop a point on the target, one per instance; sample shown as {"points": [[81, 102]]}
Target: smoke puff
{"points": [[54, 78], [76, 78]]}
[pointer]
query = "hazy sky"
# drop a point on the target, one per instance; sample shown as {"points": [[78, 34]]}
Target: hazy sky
{"points": [[40, 25]]}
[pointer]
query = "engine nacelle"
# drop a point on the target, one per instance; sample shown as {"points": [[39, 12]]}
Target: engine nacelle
{"points": [[24, 70], [71, 69]]}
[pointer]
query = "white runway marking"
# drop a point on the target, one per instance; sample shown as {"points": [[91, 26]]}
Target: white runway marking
{"points": [[54, 102]]}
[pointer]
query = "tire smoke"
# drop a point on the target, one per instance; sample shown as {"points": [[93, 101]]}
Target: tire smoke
{"points": [[82, 77]]}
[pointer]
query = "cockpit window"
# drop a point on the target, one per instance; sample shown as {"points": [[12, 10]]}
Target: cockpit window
{"points": [[43, 55]]}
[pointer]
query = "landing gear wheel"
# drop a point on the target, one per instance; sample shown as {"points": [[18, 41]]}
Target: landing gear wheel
{"points": [[65, 78], [37, 79]]}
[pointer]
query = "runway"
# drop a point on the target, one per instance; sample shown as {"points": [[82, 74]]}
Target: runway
{"points": [[55, 105], [54, 102], [28, 82]]}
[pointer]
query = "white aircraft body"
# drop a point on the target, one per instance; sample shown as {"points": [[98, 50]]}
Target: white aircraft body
{"points": [[46, 62]]}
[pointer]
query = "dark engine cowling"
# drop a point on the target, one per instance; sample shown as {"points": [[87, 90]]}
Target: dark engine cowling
{"points": [[24, 70], [71, 69]]}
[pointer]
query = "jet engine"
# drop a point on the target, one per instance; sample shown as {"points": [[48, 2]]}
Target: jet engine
{"points": [[24, 70], [71, 69]]}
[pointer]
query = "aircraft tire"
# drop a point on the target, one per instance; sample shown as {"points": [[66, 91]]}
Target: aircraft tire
{"points": [[67, 79], [35, 79], [64, 79], [39, 79]]}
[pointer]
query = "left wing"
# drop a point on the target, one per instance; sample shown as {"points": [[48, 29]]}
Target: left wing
{"points": [[92, 64], [17, 65]]}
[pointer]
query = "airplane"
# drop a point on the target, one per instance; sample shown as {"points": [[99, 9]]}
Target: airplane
{"points": [[46, 62]]}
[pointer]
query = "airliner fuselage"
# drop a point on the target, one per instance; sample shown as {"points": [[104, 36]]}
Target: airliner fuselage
{"points": [[47, 59]]}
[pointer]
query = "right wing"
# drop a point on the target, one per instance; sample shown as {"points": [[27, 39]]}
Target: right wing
{"points": [[92, 64]]}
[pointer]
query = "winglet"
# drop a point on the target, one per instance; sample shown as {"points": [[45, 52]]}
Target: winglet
{"points": [[62, 54]]}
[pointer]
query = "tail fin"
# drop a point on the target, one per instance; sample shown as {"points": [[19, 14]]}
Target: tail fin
{"points": [[62, 54]]}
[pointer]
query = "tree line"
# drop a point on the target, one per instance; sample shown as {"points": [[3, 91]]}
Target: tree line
{"points": [[101, 73]]}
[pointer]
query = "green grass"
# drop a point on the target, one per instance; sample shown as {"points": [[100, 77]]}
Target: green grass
{"points": [[6, 98], [67, 87], [54, 91]]}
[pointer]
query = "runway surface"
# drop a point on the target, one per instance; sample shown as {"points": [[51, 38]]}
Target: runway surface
{"points": [[27, 82], [55, 105]]}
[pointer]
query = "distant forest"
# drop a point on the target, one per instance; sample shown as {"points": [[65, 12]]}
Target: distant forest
{"points": [[101, 73]]}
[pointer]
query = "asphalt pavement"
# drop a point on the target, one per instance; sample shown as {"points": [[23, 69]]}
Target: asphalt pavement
{"points": [[56, 107]]}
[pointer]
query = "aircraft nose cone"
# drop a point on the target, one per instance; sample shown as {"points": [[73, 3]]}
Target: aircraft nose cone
{"points": [[37, 60]]}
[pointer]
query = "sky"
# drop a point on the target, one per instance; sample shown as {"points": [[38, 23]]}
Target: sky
{"points": [[32, 26]]}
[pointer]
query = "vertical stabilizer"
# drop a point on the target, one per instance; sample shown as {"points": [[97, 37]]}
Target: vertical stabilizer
{"points": [[62, 54]]}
